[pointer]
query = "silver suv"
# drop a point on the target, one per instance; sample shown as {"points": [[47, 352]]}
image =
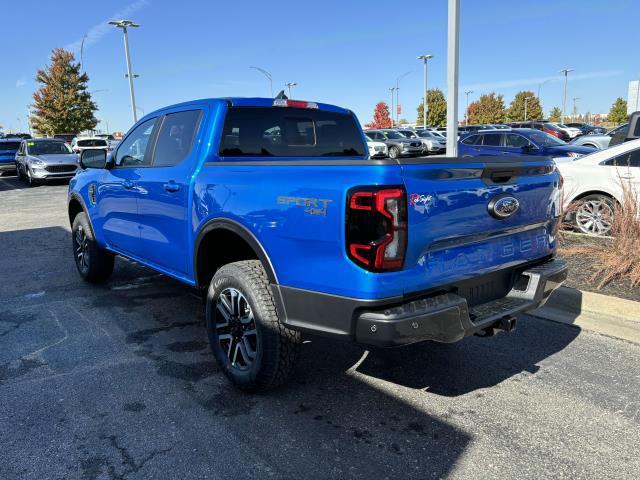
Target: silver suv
{"points": [[41, 159]]}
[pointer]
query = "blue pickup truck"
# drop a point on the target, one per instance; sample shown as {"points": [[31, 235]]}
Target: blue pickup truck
{"points": [[272, 208]]}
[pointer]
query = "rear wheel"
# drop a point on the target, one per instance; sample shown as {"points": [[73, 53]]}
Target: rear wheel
{"points": [[94, 264], [594, 215], [252, 347]]}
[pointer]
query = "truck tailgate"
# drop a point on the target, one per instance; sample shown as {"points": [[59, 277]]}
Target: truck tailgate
{"points": [[453, 235]]}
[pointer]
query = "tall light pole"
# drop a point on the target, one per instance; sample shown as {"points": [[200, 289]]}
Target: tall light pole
{"points": [[575, 107], [540, 85], [453, 40], [526, 101], [82, 51], [466, 110], [425, 107], [398, 96], [564, 98], [124, 25], [392, 90], [268, 75], [290, 85]]}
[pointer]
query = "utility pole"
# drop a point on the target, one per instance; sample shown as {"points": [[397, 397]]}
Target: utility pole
{"points": [[425, 107], [564, 98], [466, 110], [290, 85], [398, 96], [453, 37], [268, 75], [392, 90], [124, 25]]}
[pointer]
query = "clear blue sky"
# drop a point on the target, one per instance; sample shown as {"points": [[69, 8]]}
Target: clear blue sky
{"points": [[343, 52]]}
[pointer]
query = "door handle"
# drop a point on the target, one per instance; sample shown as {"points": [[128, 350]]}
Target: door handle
{"points": [[171, 186], [128, 184]]}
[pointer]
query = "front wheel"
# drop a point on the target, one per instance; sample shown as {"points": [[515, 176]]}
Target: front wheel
{"points": [[394, 152], [251, 345], [594, 215], [94, 264]]}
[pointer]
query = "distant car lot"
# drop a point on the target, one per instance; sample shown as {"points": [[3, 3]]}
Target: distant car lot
{"points": [[118, 382]]}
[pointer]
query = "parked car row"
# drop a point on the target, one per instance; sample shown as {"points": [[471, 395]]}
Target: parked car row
{"points": [[403, 142], [40, 159]]}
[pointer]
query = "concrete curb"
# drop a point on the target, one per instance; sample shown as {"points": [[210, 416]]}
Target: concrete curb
{"points": [[603, 314]]}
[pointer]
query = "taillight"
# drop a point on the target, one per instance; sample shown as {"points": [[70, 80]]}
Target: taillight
{"points": [[377, 227]]}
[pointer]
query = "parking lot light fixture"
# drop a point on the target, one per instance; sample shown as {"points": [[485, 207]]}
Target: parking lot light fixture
{"points": [[540, 85], [564, 98], [290, 85], [268, 75], [466, 110], [124, 25], [425, 107]]}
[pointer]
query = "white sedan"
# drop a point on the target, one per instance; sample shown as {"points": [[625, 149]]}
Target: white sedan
{"points": [[593, 185], [377, 149]]}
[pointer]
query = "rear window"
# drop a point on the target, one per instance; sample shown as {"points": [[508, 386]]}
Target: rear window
{"points": [[10, 146], [93, 142], [289, 132]]}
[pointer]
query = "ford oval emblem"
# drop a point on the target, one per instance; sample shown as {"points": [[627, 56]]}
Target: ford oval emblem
{"points": [[503, 206]]}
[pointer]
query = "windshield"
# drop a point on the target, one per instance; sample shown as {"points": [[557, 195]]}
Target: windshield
{"points": [[408, 133], [48, 148], [546, 139], [393, 135], [93, 142]]}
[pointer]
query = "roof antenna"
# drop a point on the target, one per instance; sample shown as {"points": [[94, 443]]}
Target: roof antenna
{"points": [[282, 96]]}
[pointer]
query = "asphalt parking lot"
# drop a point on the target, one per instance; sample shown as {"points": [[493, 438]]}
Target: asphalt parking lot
{"points": [[117, 382]]}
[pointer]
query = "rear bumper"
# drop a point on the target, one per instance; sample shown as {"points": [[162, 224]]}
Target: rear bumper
{"points": [[443, 317], [7, 167]]}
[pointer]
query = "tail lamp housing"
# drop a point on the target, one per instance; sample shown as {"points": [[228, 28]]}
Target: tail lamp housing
{"points": [[377, 227]]}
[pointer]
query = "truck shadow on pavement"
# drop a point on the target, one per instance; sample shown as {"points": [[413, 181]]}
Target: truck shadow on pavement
{"points": [[137, 391]]}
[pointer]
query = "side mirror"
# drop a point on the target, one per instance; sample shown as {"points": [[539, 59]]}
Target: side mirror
{"points": [[530, 148], [93, 158]]}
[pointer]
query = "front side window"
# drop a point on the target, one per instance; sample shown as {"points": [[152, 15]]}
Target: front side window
{"points": [[175, 138], [546, 140], [48, 148], [289, 132], [515, 141], [133, 150]]}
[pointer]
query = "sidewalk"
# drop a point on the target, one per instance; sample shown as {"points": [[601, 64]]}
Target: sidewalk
{"points": [[608, 315]]}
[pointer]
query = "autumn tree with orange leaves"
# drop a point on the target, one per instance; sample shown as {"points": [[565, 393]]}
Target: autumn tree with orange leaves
{"points": [[62, 104], [381, 117]]}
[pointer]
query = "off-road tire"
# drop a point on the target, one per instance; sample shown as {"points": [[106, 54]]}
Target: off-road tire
{"points": [[277, 347], [98, 266]]}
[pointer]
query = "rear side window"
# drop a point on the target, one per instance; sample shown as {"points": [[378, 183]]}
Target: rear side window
{"points": [[491, 140], [176, 136], [629, 159], [289, 132]]}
